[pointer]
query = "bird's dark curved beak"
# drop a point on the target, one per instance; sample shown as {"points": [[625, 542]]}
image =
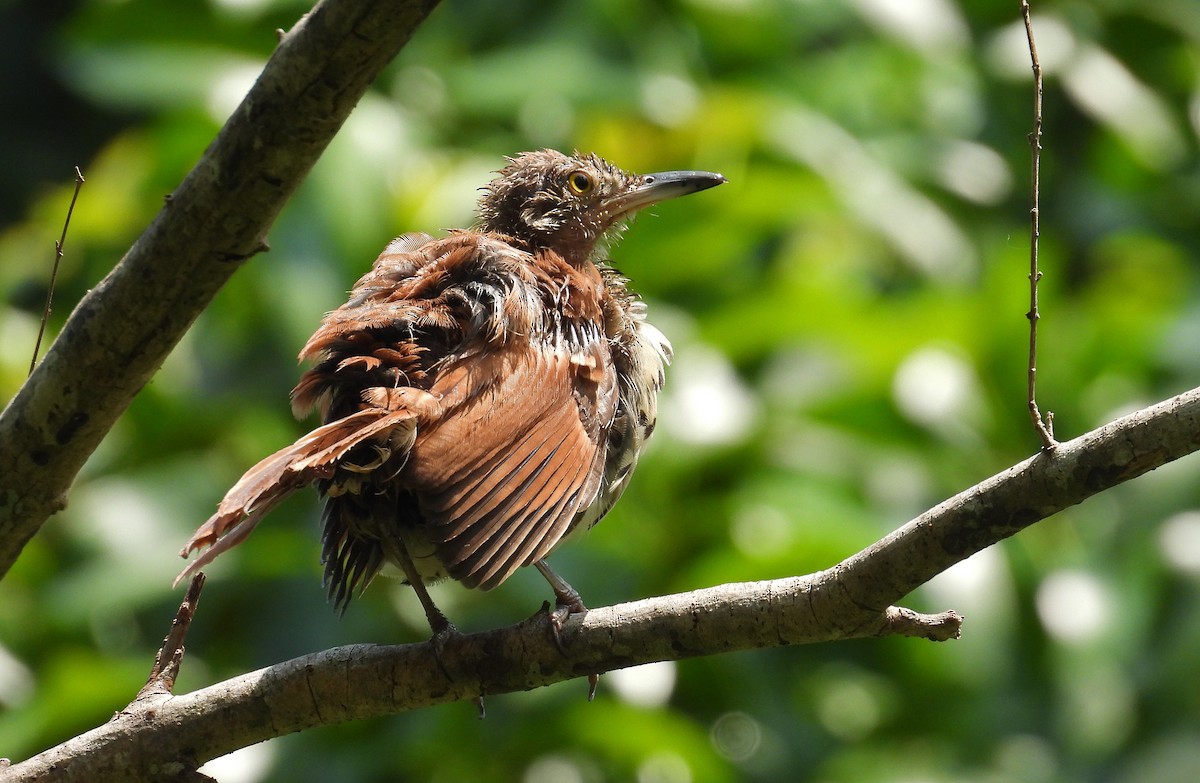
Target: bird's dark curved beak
{"points": [[661, 186]]}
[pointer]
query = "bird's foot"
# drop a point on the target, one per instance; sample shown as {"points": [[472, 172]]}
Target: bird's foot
{"points": [[566, 603], [444, 631], [559, 615], [557, 620]]}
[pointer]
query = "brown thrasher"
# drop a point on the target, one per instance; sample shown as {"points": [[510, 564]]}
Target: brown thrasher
{"points": [[483, 395]]}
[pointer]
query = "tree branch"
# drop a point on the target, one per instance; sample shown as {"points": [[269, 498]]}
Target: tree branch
{"points": [[168, 735], [216, 219]]}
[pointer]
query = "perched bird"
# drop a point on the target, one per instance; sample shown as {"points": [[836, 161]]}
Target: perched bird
{"points": [[482, 395]]}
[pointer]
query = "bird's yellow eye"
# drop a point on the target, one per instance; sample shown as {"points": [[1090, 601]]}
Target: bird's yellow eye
{"points": [[580, 183]]}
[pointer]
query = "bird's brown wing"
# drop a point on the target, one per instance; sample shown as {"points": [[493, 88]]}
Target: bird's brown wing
{"points": [[501, 444], [517, 451]]}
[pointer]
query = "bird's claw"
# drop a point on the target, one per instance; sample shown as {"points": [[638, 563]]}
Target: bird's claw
{"points": [[557, 618], [444, 633], [437, 643]]}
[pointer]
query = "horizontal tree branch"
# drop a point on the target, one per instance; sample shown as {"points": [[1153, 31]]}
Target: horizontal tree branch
{"points": [[160, 735], [216, 219]]}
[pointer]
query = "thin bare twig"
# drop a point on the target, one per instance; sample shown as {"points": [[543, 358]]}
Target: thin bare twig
{"points": [[1044, 427], [170, 655], [58, 256]]}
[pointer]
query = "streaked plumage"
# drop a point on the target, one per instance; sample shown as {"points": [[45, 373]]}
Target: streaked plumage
{"points": [[483, 395]]}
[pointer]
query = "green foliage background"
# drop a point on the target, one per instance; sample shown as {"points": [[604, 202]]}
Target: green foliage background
{"points": [[848, 314]]}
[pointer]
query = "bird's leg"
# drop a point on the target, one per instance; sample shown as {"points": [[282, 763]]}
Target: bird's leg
{"points": [[438, 621], [442, 628], [566, 602]]}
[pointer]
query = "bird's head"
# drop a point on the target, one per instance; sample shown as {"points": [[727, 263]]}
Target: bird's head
{"points": [[570, 203]]}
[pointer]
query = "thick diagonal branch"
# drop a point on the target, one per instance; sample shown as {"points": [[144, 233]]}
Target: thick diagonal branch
{"points": [[851, 600], [218, 217]]}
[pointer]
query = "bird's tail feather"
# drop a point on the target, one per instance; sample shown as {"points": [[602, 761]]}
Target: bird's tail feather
{"points": [[264, 486]]}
